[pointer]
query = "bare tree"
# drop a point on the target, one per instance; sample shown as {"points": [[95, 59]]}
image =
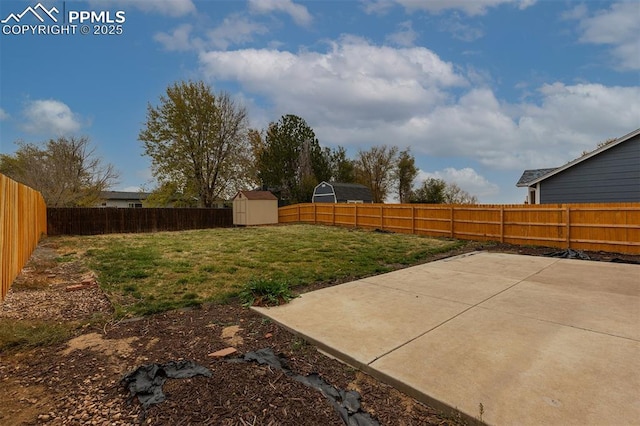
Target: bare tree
{"points": [[197, 141], [453, 194], [375, 169], [66, 171]]}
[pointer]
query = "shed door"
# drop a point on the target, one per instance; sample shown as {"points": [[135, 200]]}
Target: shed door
{"points": [[241, 211]]}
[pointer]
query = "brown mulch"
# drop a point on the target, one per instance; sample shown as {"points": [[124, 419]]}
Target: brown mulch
{"points": [[78, 382]]}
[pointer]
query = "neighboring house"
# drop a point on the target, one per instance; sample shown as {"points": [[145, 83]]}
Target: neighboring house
{"points": [[255, 208], [122, 199], [609, 174], [336, 192]]}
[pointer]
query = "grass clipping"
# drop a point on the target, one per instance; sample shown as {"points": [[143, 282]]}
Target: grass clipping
{"points": [[265, 292], [19, 334]]}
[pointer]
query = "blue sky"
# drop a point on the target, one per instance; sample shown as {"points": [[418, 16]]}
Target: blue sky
{"points": [[478, 89]]}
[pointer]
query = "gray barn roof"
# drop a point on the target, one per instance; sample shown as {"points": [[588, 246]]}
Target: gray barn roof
{"points": [[349, 191]]}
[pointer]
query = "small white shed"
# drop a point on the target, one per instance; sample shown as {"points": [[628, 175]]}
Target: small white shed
{"points": [[255, 208]]}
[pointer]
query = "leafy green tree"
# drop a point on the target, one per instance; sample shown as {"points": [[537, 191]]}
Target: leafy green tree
{"points": [[437, 191], [66, 171], [342, 168], [375, 169], [430, 192], [197, 141], [291, 161], [406, 173]]}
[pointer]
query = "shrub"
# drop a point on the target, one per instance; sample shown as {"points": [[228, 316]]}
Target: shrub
{"points": [[264, 292]]}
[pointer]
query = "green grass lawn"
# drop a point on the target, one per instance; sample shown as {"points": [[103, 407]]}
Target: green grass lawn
{"points": [[146, 273]]}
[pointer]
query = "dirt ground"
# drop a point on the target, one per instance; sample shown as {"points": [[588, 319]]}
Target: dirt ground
{"points": [[78, 382]]}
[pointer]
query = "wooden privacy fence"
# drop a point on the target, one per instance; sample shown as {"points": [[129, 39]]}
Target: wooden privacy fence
{"points": [[23, 221], [110, 220], [597, 227]]}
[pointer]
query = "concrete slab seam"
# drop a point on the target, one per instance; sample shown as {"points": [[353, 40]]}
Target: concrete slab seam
{"points": [[459, 313], [558, 323]]}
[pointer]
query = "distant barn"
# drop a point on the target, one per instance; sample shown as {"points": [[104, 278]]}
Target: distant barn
{"points": [[336, 192]]}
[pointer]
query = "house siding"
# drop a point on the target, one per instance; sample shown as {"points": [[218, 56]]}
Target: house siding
{"points": [[611, 176]]}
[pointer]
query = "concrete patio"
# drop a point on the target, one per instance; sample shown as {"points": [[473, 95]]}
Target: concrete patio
{"points": [[535, 340]]}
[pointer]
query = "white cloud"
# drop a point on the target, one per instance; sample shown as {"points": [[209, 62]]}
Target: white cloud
{"points": [[173, 8], [467, 179], [566, 121], [460, 30], [405, 36], [378, 7], [235, 30], [3, 115], [469, 7], [353, 80], [297, 12], [50, 117], [617, 27], [178, 40], [357, 94]]}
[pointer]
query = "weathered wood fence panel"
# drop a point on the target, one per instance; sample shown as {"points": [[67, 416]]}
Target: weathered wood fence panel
{"points": [[92, 221], [612, 227], [23, 221]]}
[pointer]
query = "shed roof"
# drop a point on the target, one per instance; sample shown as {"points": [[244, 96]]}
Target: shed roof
{"points": [[585, 157], [350, 191], [257, 195]]}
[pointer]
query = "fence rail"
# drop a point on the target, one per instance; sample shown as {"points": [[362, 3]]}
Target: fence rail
{"points": [[92, 221], [597, 227], [23, 220]]}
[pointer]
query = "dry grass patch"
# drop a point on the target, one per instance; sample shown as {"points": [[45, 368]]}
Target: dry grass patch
{"points": [[146, 273]]}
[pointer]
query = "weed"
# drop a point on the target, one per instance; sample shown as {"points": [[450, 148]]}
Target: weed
{"points": [[17, 334], [298, 343], [67, 257], [31, 284], [265, 292], [189, 296]]}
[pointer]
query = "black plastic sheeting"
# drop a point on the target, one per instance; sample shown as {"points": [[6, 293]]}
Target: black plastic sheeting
{"points": [[346, 403], [146, 381], [569, 254]]}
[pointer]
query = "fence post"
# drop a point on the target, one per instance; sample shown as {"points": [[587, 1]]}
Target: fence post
{"points": [[315, 214], [298, 210], [413, 219], [355, 220], [452, 226], [502, 224], [333, 214], [568, 225], [382, 216]]}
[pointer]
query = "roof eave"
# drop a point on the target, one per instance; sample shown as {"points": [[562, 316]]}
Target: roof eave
{"points": [[584, 157]]}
